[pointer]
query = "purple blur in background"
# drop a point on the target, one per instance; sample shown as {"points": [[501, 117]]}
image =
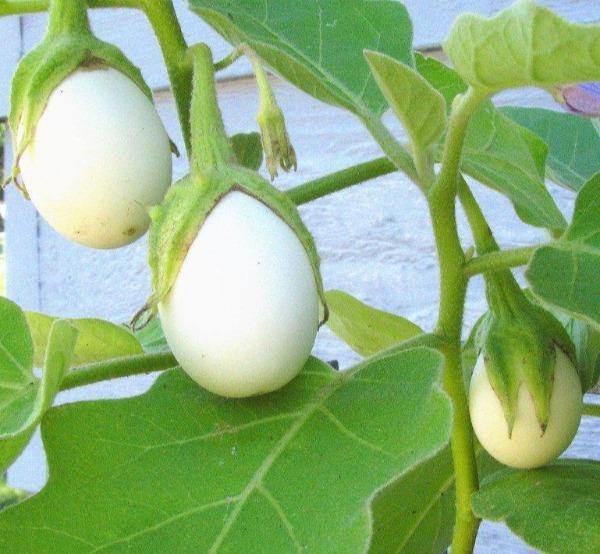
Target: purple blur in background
{"points": [[582, 99]]}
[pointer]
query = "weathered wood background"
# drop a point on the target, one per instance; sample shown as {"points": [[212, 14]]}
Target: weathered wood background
{"points": [[375, 240]]}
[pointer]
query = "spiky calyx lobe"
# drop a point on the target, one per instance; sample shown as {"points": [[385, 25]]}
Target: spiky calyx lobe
{"points": [[518, 342], [69, 45]]}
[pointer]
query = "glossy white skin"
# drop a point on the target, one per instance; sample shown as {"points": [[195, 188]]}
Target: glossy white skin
{"points": [[99, 158], [527, 447], [243, 313]]}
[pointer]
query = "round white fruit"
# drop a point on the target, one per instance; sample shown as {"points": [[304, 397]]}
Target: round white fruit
{"points": [[527, 447], [99, 158], [243, 313]]}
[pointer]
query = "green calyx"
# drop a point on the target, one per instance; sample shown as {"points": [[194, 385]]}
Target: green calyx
{"points": [[69, 45], [518, 342], [214, 173]]}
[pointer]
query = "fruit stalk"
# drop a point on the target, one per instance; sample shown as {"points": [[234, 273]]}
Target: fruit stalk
{"points": [[211, 148], [164, 22], [67, 16]]}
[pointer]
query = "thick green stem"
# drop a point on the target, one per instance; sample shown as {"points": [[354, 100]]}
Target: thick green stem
{"points": [[453, 285], [502, 291], [67, 16], [340, 180], [162, 17], [502, 259], [452, 299], [117, 367], [19, 7], [211, 148]]}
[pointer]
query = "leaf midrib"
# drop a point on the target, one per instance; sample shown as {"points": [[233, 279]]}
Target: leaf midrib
{"points": [[264, 468]]}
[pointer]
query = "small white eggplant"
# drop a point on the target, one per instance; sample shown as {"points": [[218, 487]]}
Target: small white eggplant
{"points": [[243, 312], [98, 159], [527, 446]]}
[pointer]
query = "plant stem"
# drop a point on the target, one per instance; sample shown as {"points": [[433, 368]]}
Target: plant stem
{"points": [[162, 17], [117, 367], [501, 259], [453, 285], [391, 147], [592, 410], [228, 60], [211, 148], [19, 7], [67, 16], [340, 180]]}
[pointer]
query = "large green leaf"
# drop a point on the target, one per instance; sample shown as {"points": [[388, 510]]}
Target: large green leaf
{"points": [[499, 153], [556, 509], [365, 329], [416, 514], [318, 44], [23, 397], [179, 469], [573, 143], [523, 45], [566, 273], [97, 340], [420, 108]]}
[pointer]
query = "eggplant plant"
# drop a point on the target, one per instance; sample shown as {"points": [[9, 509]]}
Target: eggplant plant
{"points": [[246, 442]]}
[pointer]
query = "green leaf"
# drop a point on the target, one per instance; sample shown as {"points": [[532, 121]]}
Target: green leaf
{"points": [[365, 329], [318, 44], [178, 469], [416, 514], [23, 397], [555, 509], [573, 143], [499, 153], [248, 150], [11, 448], [152, 337], [420, 108], [587, 348], [566, 273], [523, 45], [97, 340]]}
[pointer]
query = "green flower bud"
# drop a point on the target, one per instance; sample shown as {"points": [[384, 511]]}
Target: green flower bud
{"points": [[276, 143]]}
